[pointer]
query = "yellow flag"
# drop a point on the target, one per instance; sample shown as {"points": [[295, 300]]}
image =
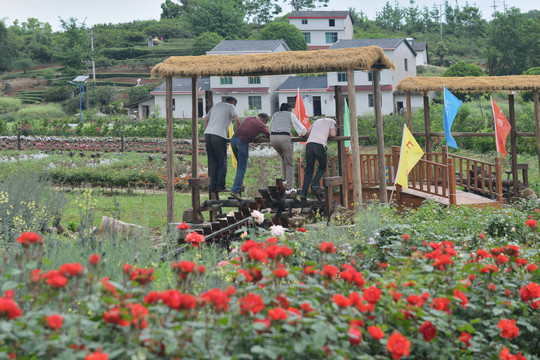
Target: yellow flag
{"points": [[410, 154], [233, 158]]}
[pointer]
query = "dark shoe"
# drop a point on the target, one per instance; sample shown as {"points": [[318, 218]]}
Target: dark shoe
{"points": [[303, 198], [236, 196]]}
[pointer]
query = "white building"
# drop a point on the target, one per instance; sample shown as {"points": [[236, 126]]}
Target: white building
{"points": [[182, 98], [254, 94], [319, 101], [322, 29], [420, 47]]}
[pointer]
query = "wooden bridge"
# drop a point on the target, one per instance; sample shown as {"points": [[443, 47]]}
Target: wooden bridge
{"points": [[441, 177]]}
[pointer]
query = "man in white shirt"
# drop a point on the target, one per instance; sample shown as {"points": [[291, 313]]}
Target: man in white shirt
{"points": [[216, 123], [318, 135]]}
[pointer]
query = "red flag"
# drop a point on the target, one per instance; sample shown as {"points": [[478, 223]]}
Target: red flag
{"points": [[502, 128], [300, 112]]}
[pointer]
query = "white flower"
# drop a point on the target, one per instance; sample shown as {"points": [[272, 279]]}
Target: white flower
{"points": [[371, 241], [277, 230], [258, 216]]}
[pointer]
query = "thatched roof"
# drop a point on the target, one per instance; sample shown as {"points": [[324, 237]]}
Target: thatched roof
{"points": [[286, 62], [470, 83]]}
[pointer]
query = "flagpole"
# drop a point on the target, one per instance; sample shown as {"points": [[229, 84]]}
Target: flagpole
{"points": [[495, 126]]}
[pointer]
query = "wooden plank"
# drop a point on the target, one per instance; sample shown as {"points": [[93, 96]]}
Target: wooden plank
{"points": [[355, 147], [380, 136], [170, 149], [513, 141], [427, 123]]}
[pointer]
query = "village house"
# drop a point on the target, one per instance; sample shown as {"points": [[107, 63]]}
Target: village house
{"points": [[322, 29]]}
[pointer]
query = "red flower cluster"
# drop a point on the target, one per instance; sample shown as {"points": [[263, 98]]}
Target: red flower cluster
{"points": [[251, 304], [8, 307], [508, 328], [54, 321], [71, 269], [442, 254], [505, 355], [427, 330], [220, 299], [28, 238], [264, 251], [184, 268], [195, 239], [55, 279], [178, 301], [531, 292], [375, 332], [129, 314], [352, 276], [327, 247], [140, 275], [94, 259], [372, 295], [183, 226], [398, 345], [98, 355]]}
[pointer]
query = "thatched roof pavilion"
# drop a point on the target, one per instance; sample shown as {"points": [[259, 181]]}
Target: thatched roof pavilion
{"points": [[470, 83], [510, 84], [289, 62]]}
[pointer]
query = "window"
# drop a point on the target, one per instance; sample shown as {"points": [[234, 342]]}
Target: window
{"points": [[307, 36], [291, 100], [370, 100], [225, 80], [331, 22], [370, 76], [331, 37], [342, 77], [254, 102], [304, 21], [406, 65], [254, 79]]}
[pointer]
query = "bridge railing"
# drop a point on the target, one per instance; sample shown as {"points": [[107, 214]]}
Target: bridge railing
{"points": [[479, 176]]}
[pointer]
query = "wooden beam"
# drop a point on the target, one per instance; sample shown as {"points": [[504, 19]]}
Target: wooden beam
{"points": [[409, 111], [338, 98], [170, 149], [195, 187], [427, 123], [537, 121], [513, 142], [355, 146], [381, 159]]}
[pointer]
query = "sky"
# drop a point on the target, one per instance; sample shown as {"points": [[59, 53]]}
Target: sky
{"points": [[120, 11]]}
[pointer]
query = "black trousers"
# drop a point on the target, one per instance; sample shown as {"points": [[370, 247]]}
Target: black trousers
{"points": [[314, 151], [216, 149]]}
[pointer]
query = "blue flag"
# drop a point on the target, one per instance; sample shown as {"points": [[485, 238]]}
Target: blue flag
{"points": [[451, 107]]}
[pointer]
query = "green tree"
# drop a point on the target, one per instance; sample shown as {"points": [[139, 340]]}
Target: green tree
{"points": [[441, 51], [390, 18], [262, 11], [224, 17], [288, 32], [463, 69], [527, 95], [138, 93], [306, 4], [205, 42], [73, 46], [413, 18], [514, 38], [171, 10], [470, 24]]}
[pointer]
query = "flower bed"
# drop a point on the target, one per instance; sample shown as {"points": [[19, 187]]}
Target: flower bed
{"points": [[288, 298], [99, 144]]}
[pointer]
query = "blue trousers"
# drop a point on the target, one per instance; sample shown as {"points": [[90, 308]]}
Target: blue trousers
{"points": [[241, 152]]}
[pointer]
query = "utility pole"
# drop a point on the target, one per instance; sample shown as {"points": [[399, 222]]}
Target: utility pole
{"points": [[92, 54], [440, 16], [494, 6]]}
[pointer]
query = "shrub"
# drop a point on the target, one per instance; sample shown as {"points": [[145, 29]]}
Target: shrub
{"points": [[9, 105]]}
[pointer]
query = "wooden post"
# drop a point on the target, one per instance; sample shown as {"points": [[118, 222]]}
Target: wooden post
{"points": [[355, 146], [195, 187], [396, 150], [338, 98], [537, 121], [498, 184], [209, 101], [451, 182], [383, 197], [513, 141], [170, 149], [409, 111], [427, 123]]}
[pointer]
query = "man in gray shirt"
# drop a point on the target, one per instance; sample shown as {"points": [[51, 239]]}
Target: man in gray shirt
{"points": [[216, 123], [280, 139], [318, 134]]}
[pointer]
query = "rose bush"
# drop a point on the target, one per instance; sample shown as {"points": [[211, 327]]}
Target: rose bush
{"points": [[289, 297]]}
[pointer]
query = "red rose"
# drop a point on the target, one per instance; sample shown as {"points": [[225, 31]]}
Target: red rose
{"points": [[465, 337], [277, 314], [54, 321], [28, 238], [251, 303], [427, 330], [201, 269], [71, 269], [329, 271], [327, 247], [219, 298], [183, 226], [342, 301], [461, 296], [152, 297], [281, 273], [301, 229], [355, 335], [405, 237], [398, 345], [306, 307], [372, 295], [375, 332], [508, 328], [98, 355], [531, 267], [94, 259], [482, 236], [265, 322], [195, 239], [9, 308]]}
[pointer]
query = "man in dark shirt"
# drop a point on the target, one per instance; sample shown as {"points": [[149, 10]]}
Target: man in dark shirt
{"points": [[250, 128]]}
